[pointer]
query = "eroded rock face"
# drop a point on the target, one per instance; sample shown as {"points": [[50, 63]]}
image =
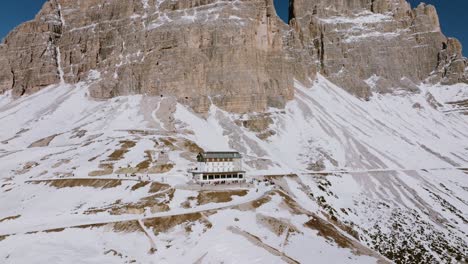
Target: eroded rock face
{"points": [[453, 67], [382, 45], [229, 53], [6, 75], [235, 54], [28, 57]]}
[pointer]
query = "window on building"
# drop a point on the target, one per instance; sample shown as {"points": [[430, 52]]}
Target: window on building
{"points": [[223, 176], [216, 176], [211, 177], [205, 177], [234, 176], [229, 176], [241, 176]]}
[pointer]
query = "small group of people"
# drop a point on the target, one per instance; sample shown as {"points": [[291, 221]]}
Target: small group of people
{"points": [[140, 177], [222, 182]]}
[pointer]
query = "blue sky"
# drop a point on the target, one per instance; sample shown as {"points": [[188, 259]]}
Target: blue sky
{"points": [[14, 12], [453, 16]]}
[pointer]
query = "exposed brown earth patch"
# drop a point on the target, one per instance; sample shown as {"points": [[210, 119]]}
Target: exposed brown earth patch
{"points": [[56, 230], [127, 227], [106, 169], [265, 135], [118, 154], [91, 226], [169, 142], [139, 185], [27, 167], [43, 142], [187, 204], [148, 203], [125, 146], [124, 226], [157, 187], [205, 197], [63, 174], [128, 170], [128, 144], [162, 168], [254, 204], [70, 183], [157, 224], [151, 203], [192, 146], [60, 163], [10, 218], [290, 204], [258, 124], [329, 211], [144, 165], [164, 224], [277, 226], [158, 202], [328, 231]]}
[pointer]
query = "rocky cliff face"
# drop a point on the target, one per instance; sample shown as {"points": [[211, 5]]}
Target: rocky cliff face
{"points": [[235, 54], [28, 56], [199, 51], [377, 44]]}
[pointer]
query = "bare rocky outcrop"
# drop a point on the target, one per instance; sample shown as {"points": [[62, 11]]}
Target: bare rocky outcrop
{"points": [[453, 67], [376, 44], [236, 54], [6, 74], [202, 52], [28, 55], [43, 142]]}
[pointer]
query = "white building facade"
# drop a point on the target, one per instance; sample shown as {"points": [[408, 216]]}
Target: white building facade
{"points": [[219, 167]]}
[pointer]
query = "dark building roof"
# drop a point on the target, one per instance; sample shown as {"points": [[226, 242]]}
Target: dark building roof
{"points": [[220, 155]]}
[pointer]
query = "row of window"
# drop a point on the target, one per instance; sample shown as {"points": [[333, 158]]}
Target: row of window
{"points": [[220, 170], [218, 160], [219, 165], [223, 176]]}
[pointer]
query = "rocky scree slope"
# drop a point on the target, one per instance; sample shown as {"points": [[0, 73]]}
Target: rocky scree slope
{"points": [[236, 54]]}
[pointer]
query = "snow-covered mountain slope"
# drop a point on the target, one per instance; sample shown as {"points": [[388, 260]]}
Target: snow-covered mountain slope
{"points": [[334, 179]]}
